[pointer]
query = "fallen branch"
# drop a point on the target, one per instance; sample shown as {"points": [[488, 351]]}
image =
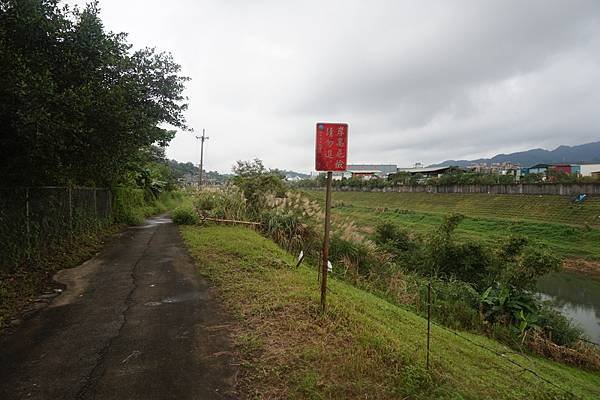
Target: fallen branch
{"points": [[233, 221]]}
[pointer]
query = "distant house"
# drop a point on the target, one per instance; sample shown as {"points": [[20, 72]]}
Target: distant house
{"points": [[564, 168], [367, 174], [537, 169], [589, 169], [431, 171], [368, 171], [503, 168], [189, 180], [570, 169]]}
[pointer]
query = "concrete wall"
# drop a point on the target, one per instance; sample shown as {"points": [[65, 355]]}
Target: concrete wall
{"points": [[530, 189]]}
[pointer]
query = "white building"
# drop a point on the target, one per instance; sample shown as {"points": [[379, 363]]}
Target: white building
{"points": [[590, 169]]}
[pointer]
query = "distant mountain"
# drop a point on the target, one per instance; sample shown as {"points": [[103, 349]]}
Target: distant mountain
{"points": [[584, 153]]}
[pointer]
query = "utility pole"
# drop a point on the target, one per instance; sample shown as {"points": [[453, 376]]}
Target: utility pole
{"points": [[202, 139]]}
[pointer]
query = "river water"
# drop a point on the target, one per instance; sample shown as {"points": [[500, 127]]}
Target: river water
{"points": [[577, 297]]}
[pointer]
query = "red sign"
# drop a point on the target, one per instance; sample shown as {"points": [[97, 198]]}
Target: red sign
{"points": [[331, 147]]}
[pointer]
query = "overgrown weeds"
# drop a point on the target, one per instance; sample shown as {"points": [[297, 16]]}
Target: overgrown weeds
{"points": [[184, 216], [477, 288]]}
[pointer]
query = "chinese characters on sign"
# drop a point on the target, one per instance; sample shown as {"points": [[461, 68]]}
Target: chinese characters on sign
{"points": [[331, 147]]}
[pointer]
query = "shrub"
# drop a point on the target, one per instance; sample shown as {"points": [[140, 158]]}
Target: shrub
{"points": [[288, 230], [227, 203], [293, 221], [454, 302], [469, 261], [519, 264], [353, 255], [185, 216], [557, 327], [206, 201], [392, 238], [128, 207], [256, 182], [507, 304]]}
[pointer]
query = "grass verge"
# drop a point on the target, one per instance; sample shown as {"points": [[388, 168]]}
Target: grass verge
{"points": [[550, 220], [363, 347]]}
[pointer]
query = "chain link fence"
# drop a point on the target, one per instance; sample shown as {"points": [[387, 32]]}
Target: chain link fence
{"points": [[37, 222]]}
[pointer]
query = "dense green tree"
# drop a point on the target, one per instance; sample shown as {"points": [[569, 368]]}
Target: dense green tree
{"points": [[77, 105], [180, 169], [255, 181]]}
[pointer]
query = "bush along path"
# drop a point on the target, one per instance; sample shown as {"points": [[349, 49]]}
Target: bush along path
{"points": [[135, 322], [364, 346]]}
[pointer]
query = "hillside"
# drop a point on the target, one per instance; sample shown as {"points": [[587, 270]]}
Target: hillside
{"points": [[569, 230], [548, 209], [364, 346], [589, 153]]}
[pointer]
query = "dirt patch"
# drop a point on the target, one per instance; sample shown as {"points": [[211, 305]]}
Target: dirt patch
{"points": [[584, 267]]}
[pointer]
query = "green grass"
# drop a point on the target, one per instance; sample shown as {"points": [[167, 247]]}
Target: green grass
{"points": [[550, 220], [548, 208], [363, 347], [132, 206]]}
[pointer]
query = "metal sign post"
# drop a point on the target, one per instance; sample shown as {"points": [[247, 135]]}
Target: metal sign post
{"points": [[331, 155], [324, 267]]}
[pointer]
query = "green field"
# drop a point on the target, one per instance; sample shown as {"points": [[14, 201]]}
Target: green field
{"points": [[363, 347], [572, 231]]}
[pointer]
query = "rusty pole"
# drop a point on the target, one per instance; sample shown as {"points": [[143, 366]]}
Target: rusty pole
{"points": [[428, 321], [326, 240]]}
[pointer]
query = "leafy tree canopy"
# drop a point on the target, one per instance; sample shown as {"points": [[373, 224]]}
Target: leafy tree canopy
{"points": [[255, 181], [77, 105]]}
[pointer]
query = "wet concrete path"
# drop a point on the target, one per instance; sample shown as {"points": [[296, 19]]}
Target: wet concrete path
{"points": [[135, 322]]}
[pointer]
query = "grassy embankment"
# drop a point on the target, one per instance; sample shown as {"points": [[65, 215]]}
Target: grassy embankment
{"points": [[363, 347], [572, 231]]}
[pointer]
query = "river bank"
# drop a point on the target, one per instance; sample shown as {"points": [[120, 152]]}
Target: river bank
{"points": [[588, 268], [575, 296]]}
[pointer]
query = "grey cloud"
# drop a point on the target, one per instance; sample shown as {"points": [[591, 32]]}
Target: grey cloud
{"points": [[416, 81]]}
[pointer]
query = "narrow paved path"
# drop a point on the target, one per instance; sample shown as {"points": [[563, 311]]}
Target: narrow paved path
{"points": [[135, 322]]}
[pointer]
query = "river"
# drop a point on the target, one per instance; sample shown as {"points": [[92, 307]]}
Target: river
{"points": [[577, 297]]}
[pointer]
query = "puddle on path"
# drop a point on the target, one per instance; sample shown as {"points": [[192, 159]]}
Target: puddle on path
{"points": [[152, 222], [190, 296]]}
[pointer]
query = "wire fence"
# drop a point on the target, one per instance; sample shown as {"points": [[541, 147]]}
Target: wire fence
{"points": [[510, 365], [523, 361], [36, 222]]}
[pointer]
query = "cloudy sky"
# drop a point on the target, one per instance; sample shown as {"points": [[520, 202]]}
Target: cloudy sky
{"points": [[416, 81]]}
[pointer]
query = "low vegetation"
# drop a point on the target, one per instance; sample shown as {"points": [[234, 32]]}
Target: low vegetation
{"points": [[184, 215], [515, 208], [550, 220], [457, 177], [477, 287], [364, 346], [22, 283]]}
